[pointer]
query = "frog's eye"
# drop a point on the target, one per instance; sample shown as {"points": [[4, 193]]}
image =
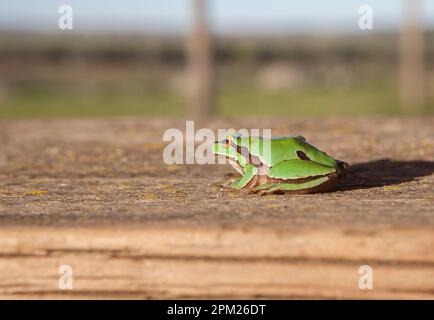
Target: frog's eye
{"points": [[226, 143]]}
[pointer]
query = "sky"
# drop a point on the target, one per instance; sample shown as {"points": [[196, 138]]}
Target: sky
{"points": [[226, 16]]}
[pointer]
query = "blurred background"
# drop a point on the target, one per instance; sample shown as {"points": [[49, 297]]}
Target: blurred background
{"points": [[216, 57]]}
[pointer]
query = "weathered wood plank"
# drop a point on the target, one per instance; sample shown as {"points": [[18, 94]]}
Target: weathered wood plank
{"points": [[96, 195], [215, 263]]}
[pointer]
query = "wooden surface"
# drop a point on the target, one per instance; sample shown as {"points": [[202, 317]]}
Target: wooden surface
{"points": [[95, 195]]}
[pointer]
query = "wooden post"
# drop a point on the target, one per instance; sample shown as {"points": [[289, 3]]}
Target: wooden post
{"points": [[412, 64], [200, 60]]}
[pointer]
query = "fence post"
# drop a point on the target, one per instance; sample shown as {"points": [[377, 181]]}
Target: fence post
{"points": [[412, 60], [200, 64]]}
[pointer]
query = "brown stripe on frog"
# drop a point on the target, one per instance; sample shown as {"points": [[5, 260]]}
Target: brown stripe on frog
{"points": [[302, 155], [249, 157]]}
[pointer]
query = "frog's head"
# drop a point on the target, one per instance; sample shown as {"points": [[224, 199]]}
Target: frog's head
{"points": [[225, 148], [228, 147]]}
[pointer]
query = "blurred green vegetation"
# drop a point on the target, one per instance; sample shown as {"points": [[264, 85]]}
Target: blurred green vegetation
{"points": [[52, 101], [47, 76], [235, 101], [315, 101]]}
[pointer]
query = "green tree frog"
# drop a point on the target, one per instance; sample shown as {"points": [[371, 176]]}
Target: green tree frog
{"points": [[280, 165]]}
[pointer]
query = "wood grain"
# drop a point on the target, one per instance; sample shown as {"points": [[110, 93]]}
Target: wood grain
{"points": [[210, 263], [96, 195]]}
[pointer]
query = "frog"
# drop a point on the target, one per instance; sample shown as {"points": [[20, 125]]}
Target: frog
{"points": [[280, 165]]}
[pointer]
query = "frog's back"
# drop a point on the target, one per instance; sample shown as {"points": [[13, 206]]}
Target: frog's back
{"points": [[298, 148], [284, 148]]}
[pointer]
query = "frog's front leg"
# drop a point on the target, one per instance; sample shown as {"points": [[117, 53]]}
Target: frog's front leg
{"points": [[250, 172]]}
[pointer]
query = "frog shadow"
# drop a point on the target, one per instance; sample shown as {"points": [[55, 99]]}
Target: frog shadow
{"points": [[385, 172]]}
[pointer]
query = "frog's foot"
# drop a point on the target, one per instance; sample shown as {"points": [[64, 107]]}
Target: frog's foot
{"points": [[320, 184], [247, 179]]}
